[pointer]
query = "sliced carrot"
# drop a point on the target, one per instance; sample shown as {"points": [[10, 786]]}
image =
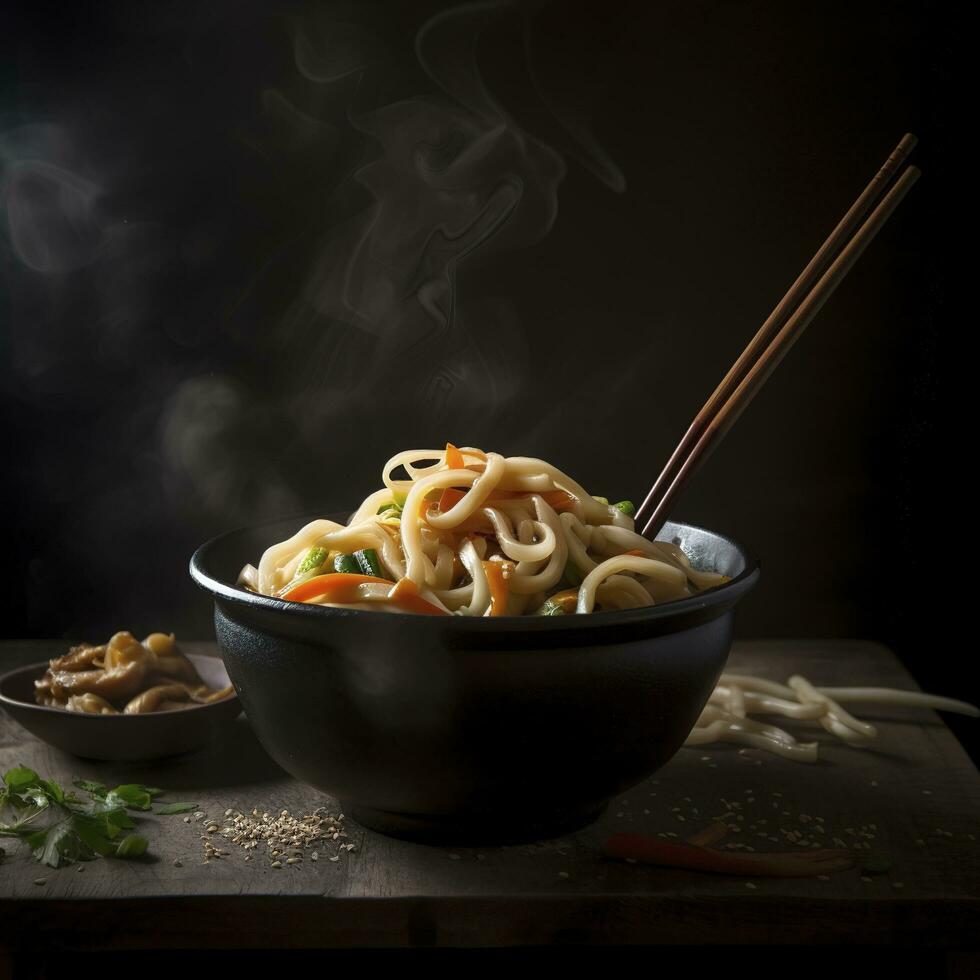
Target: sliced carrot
{"points": [[454, 458], [406, 596], [342, 587], [335, 586], [449, 499], [636, 553], [498, 587]]}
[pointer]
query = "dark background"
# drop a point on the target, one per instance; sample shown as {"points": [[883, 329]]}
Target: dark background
{"points": [[250, 251]]}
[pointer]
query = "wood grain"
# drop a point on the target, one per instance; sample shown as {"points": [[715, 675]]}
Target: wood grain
{"points": [[915, 782]]}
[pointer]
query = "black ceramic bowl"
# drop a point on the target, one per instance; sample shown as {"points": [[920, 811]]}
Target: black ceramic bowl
{"points": [[448, 728], [154, 735]]}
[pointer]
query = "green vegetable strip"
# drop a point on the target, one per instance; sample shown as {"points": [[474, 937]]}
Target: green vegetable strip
{"points": [[626, 507], [571, 578], [347, 564], [369, 563], [315, 558]]}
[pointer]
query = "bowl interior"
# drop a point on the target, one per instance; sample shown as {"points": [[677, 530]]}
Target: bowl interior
{"points": [[216, 566]]}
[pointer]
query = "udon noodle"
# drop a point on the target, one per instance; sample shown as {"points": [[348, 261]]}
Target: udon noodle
{"points": [[478, 534]]}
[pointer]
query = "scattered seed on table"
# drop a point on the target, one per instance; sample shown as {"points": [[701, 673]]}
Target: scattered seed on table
{"points": [[177, 863], [277, 864], [749, 884], [562, 874]]}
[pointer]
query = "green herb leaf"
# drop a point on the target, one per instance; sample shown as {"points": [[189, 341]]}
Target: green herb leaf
{"points": [[130, 795], [91, 831], [59, 827], [96, 789], [20, 778], [167, 808], [626, 507], [132, 846], [52, 843]]}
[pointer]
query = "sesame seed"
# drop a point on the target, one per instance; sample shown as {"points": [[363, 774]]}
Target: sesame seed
{"points": [[563, 874], [293, 860], [749, 884], [277, 864], [927, 792], [40, 881]]}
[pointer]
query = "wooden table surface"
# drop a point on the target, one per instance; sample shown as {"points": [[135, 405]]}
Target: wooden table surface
{"points": [[915, 792]]}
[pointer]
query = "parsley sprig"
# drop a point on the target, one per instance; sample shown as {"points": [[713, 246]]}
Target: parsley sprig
{"points": [[60, 827]]}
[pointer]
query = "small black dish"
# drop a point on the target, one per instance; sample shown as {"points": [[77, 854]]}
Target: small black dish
{"points": [[121, 738], [471, 730]]}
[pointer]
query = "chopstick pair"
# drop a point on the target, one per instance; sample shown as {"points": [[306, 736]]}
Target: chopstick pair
{"points": [[812, 288]]}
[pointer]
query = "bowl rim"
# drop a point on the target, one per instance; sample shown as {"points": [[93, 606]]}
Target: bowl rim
{"points": [[42, 665], [726, 594]]}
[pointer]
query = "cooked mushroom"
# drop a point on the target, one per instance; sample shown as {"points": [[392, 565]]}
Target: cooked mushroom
{"points": [[90, 704], [169, 660], [78, 658], [125, 676], [115, 685], [151, 700]]}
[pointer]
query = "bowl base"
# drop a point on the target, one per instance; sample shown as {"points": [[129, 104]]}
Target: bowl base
{"points": [[509, 827]]}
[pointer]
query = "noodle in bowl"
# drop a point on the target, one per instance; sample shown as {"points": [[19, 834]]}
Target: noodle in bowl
{"points": [[424, 725], [478, 534]]}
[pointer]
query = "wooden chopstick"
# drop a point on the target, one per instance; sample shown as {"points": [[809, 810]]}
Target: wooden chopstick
{"points": [[726, 416], [794, 295]]}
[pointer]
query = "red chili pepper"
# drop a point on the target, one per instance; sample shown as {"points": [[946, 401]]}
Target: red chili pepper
{"points": [[650, 850]]}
